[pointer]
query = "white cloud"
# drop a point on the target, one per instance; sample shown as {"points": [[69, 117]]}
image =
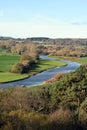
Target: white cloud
{"points": [[25, 29], [79, 23], [41, 19]]}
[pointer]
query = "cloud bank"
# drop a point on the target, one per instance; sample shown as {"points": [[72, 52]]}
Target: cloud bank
{"points": [[28, 29]]}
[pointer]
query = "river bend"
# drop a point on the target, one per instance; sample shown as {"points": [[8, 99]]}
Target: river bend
{"points": [[45, 75]]}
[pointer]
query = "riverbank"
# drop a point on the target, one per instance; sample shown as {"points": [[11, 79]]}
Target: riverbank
{"points": [[41, 66], [39, 78], [82, 60]]}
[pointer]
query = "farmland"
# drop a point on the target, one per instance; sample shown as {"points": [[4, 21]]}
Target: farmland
{"points": [[6, 61]]}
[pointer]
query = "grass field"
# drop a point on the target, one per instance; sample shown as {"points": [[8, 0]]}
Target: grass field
{"points": [[7, 76], [46, 64], [2, 51], [7, 61], [81, 60]]}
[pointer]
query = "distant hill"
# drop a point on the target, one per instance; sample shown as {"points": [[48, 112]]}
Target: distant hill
{"points": [[38, 38], [5, 38], [46, 40]]}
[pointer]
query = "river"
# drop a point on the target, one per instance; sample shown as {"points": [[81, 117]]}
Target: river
{"points": [[45, 75]]}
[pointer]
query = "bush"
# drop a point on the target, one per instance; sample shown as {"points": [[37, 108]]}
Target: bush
{"points": [[18, 68], [25, 57], [21, 120], [63, 120], [83, 114]]}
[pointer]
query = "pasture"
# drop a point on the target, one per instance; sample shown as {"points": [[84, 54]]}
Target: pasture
{"points": [[81, 60], [6, 62]]}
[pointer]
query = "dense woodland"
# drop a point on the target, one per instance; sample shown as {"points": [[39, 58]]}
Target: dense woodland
{"points": [[60, 103]]}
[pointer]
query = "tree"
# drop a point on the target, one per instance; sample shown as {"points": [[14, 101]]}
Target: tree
{"points": [[32, 51], [26, 57], [18, 68]]}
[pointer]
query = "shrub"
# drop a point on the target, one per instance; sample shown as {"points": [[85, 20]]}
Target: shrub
{"points": [[18, 68], [21, 120], [63, 120], [83, 114], [25, 57]]}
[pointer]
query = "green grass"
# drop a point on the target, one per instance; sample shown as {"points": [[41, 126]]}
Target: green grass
{"points": [[47, 64], [7, 76], [40, 66], [5, 52], [81, 60], [6, 61], [2, 51]]}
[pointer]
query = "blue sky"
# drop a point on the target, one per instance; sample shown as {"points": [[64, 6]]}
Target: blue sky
{"points": [[43, 18]]}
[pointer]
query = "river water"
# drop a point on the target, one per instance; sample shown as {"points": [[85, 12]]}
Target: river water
{"points": [[41, 77]]}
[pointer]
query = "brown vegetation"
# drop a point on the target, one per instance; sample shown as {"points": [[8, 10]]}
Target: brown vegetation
{"points": [[26, 61], [55, 78]]}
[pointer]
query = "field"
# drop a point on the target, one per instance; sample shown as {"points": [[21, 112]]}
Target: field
{"points": [[47, 64], [7, 76], [2, 51], [6, 62], [81, 60]]}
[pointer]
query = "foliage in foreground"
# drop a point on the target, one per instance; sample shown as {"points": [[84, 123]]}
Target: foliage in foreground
{"points": [[61, 105]]}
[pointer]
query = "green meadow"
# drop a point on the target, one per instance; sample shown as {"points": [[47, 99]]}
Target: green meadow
{"points": [[2, 51], [81, 60], [7, 76], [47, 64], [6, 62]]}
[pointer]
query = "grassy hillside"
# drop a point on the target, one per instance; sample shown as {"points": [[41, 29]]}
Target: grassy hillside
{"points": [[61, 105]]}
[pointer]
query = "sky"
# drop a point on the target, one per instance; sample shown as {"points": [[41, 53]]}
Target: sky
{"points": [[43, 18]]}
